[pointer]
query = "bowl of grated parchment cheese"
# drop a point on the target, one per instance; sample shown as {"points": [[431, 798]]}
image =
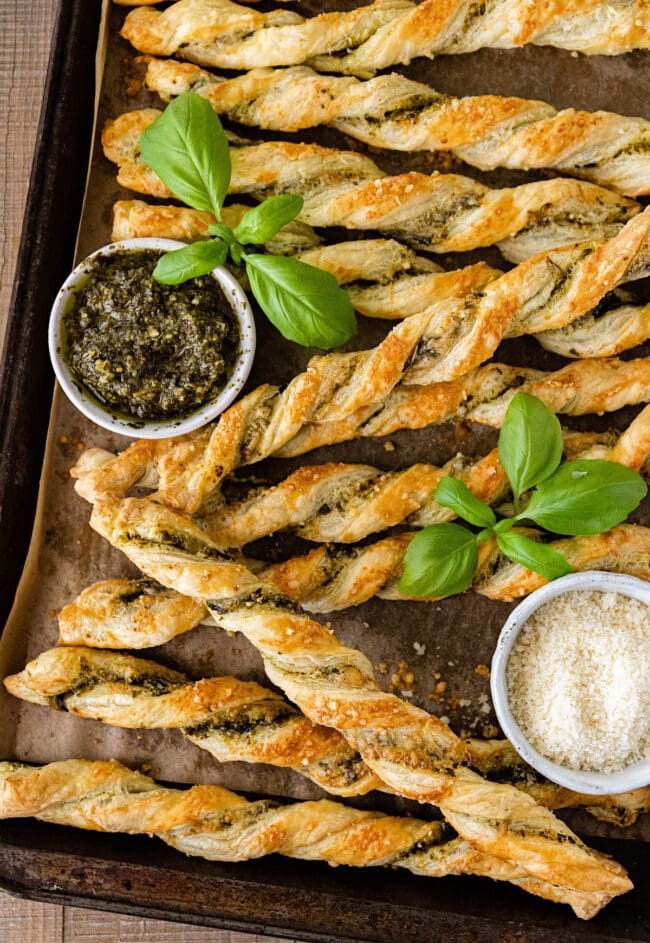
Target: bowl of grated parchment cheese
{"points": [[570, 681]]}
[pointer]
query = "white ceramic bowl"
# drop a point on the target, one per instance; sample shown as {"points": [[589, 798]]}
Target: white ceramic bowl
{"points": [[159, 429], [631, 777]]}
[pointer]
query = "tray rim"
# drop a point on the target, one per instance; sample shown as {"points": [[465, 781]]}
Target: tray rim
{"points": [[66, 117]]}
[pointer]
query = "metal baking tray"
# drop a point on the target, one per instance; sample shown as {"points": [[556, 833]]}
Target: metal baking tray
{"points": [[273, 895]]}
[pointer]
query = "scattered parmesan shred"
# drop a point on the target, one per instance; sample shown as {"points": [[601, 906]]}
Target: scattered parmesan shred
{"points": [[578, 680]]}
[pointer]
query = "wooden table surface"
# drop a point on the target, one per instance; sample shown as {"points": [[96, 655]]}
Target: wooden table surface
{"points": [[25, 31]]}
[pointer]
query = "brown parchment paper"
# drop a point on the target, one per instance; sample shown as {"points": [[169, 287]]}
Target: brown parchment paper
{"points": [[440, 642]]}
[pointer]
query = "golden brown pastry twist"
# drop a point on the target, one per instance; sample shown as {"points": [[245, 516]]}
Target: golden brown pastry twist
{"points": [[331, 578], [212, 822], [438, 212], [231, 719], [414, 753], [363, 40], [586, 386], [238, 720], [394, 112], [600, 334], [188, 470], [345, 503]]}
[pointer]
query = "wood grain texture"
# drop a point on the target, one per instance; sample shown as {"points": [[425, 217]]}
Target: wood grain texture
{"points": [[25, 32], [24, 921]]}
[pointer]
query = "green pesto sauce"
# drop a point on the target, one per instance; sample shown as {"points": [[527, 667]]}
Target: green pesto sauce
{"points": [[149, 351]]}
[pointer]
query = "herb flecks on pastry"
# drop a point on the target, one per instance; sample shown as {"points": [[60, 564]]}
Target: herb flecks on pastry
{"points": [[238, 720], [214, 823], [188, 470], [394, 112], [231, 719], [364, 40], [438, 212]]}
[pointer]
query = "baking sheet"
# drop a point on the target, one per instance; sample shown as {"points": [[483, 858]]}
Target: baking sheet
{"points": [[66, 555]]}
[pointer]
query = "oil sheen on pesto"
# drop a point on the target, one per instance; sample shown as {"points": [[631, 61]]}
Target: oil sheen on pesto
{"points": [[149, 351]]}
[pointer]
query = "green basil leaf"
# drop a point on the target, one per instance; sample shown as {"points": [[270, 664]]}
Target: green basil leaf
{"points": [[530, 443], [439, 561], [190, 262], [454, 494], [585, 497], [304, 303], [540, 558], [222, 232], [236, 252], [187, 148], [262, 222]]}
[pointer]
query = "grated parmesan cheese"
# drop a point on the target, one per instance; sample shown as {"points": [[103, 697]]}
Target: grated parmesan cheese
{"points": [[578, 680]]}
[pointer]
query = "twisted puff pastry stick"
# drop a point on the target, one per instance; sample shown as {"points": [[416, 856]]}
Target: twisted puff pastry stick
{"points": [[586, 386], [395, 112], [373, 37], [189, 469], [237, 720], [214, 823], [345, 503], [384, 279], [439, 212], [331, 578], [139, 614], [231, 719], [412, 752]]}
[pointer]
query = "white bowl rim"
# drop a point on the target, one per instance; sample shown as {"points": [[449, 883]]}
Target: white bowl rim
{"points": [[159, 429], [630, 777]]}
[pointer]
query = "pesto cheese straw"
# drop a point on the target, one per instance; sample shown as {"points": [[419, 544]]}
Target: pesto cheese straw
{"points": [[580, 498], [187, 148]]}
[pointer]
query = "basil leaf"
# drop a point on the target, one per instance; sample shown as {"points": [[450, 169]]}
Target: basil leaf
{"points": [[262, 222], [530, 443], [504, 525], [187, 148], [222, 232], [304, 303], [190, 262], [439, 561], [585, 497], [454, 494], [540, 558]]}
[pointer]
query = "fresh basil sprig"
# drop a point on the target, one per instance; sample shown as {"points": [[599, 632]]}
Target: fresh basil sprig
{"points": [[187, 148], [587, 496]]}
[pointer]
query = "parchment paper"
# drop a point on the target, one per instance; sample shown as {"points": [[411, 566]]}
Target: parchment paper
{"points": [[440, 642]]}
